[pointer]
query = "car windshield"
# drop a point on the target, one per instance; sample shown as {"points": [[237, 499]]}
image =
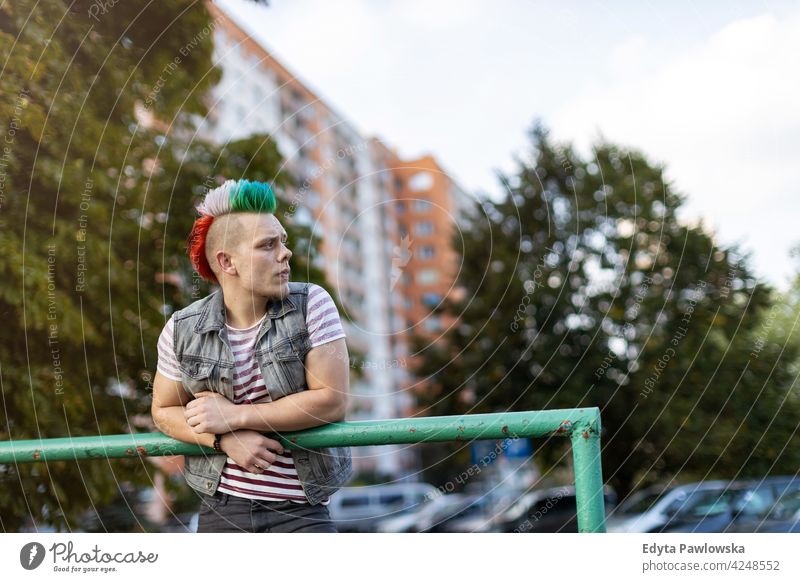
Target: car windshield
{"points": [[787, 507], [707, 503], [641, 503], [471, 511]]}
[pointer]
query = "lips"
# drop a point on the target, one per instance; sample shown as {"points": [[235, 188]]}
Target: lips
{"points": [[284, 274]]}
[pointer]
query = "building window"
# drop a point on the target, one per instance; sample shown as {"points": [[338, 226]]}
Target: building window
{"points": [[331, 182], [427, 277], [422, 205], [431, 299], [302, 217], [312, 198], [421, 181], [424, 228], [433, 324], [426, 252]]}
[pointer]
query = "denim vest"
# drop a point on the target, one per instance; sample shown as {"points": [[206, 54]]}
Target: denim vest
{"points": [[206, 362]]}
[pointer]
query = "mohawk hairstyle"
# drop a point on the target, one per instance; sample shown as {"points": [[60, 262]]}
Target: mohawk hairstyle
{"points": [[233, 196]]}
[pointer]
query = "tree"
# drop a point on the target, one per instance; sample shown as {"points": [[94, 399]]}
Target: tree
{"points": [[95, 208], [585, 289]]}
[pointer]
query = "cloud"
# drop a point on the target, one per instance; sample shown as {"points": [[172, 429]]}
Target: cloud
{"points": [[712, 95], [724, 116]]}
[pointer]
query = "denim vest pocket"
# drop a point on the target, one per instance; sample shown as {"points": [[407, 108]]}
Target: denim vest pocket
{"points": [[291, 366], [197, 373], [203, 472], [331, 465]]}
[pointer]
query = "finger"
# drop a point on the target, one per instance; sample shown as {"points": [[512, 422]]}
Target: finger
{"points": [[269, 457], [204, 393], [274, 445]]}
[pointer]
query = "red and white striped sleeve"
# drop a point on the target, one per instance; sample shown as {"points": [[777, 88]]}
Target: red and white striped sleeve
{"points": [[322, 317], [167, 361]]}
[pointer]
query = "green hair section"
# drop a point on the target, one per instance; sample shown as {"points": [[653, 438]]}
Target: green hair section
{"points": [[249, 196]]}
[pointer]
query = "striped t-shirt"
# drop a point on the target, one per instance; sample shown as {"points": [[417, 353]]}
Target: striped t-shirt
{"points": [[280, 482]]}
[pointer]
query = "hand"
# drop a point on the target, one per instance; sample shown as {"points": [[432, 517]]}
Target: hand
{"points": [[212, 413], [250, 450]]}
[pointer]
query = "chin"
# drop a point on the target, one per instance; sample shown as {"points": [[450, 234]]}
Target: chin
{"points": [[281, 292]]}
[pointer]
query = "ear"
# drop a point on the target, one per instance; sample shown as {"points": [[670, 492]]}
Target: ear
{"points": [[225, 263]]}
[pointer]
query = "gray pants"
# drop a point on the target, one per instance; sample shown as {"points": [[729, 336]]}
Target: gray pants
{"points": [[227, 513]]}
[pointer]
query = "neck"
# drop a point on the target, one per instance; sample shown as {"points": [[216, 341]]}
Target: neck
{"points": [[242, 308]]}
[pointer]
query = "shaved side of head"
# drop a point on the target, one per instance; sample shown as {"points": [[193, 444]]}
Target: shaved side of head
{"points": [[225, 234]]}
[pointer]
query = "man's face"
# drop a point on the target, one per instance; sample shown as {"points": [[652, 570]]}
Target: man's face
{"points": [[262, 258]]}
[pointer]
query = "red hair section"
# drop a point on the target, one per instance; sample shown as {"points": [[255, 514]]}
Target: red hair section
{"points": [[196, 246]]}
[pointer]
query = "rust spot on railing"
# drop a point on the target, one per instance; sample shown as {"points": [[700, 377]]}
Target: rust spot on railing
{"points": [[565, 426]]}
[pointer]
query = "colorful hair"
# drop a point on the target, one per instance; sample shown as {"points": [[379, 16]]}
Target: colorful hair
{"points": [[233, 196]]}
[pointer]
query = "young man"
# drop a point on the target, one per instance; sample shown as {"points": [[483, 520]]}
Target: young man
{"points": [[249, 359]]}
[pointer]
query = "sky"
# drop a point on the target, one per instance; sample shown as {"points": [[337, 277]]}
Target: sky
{"points": [[711, 90]]}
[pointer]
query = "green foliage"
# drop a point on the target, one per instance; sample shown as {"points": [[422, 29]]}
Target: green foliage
{"points": [[585, 289], [95, 209]]}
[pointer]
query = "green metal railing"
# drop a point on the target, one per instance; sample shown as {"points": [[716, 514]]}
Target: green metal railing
{"points": [[581, 425]]}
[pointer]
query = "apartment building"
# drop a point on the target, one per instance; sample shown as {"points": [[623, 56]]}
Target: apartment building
{"points": [[383, 224]]}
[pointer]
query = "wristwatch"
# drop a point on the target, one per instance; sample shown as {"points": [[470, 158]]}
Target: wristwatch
{"points": [[218, 443]]}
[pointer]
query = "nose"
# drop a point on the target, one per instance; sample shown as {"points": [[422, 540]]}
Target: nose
{"points": [[286, 254]]}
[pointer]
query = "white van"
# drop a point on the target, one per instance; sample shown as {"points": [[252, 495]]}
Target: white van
{"points": [[359, 509]]}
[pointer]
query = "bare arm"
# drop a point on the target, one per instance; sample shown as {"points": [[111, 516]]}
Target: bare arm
{"points": [[169, 398], [248, 448], [325, 401]]}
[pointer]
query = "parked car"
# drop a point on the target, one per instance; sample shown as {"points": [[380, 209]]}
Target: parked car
{"points": [[648, 510], [361, 509], [742, 507], [705, 511], [423, 517], [472, 514], [758, 511], [783, 517], [548, 510]]}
